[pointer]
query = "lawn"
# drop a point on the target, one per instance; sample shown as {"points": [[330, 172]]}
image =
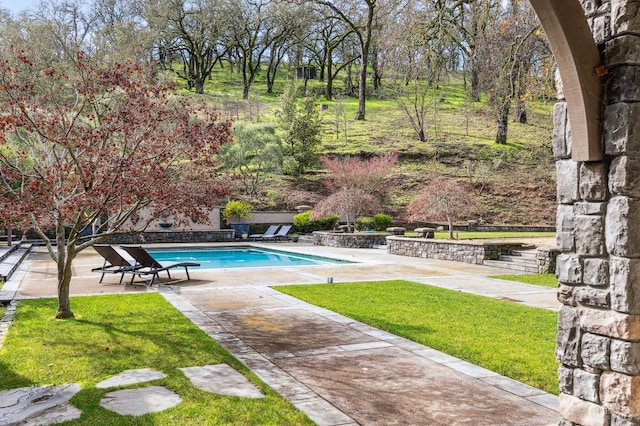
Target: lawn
{"points": [[464, 235], [114, 333], [547, 280], [514, 340]]}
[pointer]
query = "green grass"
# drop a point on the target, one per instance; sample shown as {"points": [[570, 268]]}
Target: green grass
{"points": [[513, 340], [3, 309], [488, 235], [464, 235], [547, 280], [114, 333]]}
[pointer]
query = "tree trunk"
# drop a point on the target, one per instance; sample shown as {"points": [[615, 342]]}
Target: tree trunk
{"points": [[422, 135], [450, 227], [199, 85], [271, 76], [475, 85], [503, 122], [520, 114], [364, 59], [377, 77], [362, 90], [245, 90], [348, 83], [64, 274], [329, 89]]}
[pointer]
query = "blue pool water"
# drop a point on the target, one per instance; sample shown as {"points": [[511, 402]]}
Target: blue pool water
{"points": [[239, 257]]}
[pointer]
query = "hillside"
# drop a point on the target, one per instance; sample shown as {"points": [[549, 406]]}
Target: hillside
{"points": [[513, 183]]}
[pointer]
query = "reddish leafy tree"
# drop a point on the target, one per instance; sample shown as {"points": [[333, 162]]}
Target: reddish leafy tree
{"points": [[355, 184], [442, 200], [84, 147], [367, 175]]}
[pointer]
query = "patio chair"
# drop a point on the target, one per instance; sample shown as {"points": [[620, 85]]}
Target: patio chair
{"points": [[147, 265], [282, 234], [114, 262], [270, 232]]}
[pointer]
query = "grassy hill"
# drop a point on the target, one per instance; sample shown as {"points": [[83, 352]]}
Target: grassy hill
{"points": [[513, 183]]}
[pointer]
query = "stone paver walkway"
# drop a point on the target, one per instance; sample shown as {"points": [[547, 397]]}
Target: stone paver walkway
{"points": [[339, 371]]}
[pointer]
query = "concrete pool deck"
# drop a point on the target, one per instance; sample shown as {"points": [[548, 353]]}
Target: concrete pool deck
{"points": [[338, 371]]}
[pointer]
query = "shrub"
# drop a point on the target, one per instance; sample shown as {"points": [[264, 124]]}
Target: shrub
{"points": [[364, 223], [236, 208], [304, 224], [382, 221]]}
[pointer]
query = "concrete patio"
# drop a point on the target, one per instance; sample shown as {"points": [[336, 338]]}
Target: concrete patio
{"points": [[337, 370]]}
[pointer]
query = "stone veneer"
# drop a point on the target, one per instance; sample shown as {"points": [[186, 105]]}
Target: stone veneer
{"points": [[598, 235], [468, 252]]}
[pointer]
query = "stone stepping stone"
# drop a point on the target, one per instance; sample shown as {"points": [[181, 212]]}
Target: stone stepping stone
{"points": [[131, 377], [222, 379], [41, 405], [137, 402]]}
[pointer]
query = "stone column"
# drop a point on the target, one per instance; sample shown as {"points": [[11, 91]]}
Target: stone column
{"points": [[598, 235]]}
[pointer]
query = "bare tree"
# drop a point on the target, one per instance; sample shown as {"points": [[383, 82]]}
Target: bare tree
{"points": [[419, 62], [120, 30], [194, 30], [355, 183], [348, 204], [361, 22], [256, 26], [441, 200]]}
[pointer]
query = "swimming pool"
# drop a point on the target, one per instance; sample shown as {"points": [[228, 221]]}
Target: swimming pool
{"points": [[239, 257]]}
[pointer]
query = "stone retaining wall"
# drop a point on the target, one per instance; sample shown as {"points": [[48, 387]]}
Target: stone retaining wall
{"points": [[173, 237], [348, 240], [468, 252]]}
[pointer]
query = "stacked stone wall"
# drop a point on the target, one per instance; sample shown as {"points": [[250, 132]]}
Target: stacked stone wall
{"points": [[467, 252], [348, 240], [173, 237], [598, 235]]}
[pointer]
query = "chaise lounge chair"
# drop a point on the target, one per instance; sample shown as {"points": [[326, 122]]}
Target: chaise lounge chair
{"points": [[269, 233], [147, 265], [282, 234], [114, 262]]}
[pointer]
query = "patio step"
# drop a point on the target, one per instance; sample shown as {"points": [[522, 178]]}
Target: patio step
{"points": [[9, 262], [516, 260]]}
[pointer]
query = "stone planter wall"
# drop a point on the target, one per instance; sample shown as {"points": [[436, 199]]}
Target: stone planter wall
{"points": [[467, 252], [348, 240]]}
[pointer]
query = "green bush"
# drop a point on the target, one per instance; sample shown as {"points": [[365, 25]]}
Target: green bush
{"points": [[382, 221], [364, 223], [236, 208], [304, 224]]}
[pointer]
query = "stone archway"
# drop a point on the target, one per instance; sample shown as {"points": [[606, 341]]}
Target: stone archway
{"points": [[598, 220]]}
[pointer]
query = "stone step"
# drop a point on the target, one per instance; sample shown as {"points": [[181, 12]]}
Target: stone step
{"points": [[525, 254], [10, 262], [521, 267], [518, 259]]}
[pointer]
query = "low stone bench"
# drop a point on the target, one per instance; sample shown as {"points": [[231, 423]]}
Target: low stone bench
{"points": [[396, 230], [425, 232]]}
